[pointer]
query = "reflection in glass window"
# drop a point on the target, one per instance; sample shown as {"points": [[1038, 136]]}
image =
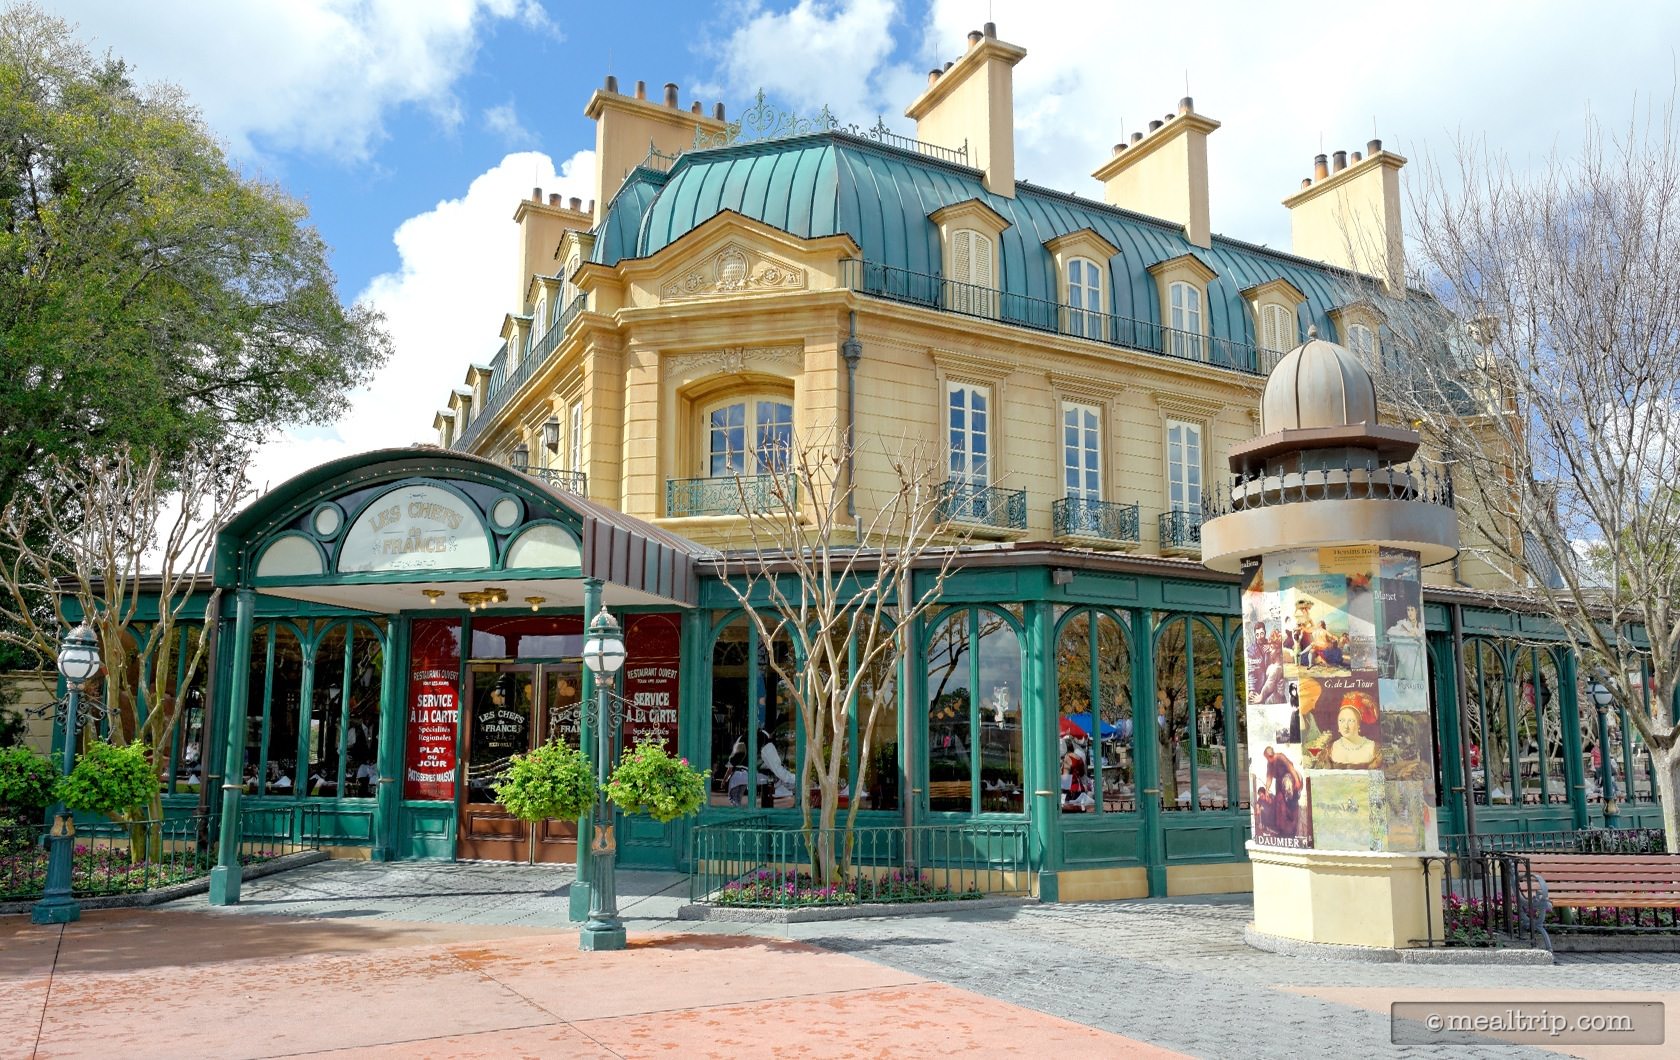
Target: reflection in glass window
{"points": [[1186, 338], [1085, 298], [1081, 452], [974, 714], [766, 424], [732, 780], [1196, 726], [1097, 764]]}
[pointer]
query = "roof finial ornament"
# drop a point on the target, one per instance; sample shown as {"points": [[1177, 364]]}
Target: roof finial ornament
{"points": [[1312, 331]]}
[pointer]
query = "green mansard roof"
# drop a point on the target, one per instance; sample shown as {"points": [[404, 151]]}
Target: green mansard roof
{"points": [[831, 183]]}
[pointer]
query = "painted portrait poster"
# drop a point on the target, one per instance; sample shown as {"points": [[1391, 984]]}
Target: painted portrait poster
{"points": [[1403, 653], [1263, 653], [1409, 751], [1345, 729], [1349, 811], [1278, 787], [1315, 625]]}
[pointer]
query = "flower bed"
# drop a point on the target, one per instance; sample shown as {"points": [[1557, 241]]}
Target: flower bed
{"points": [[768, 887], [1466, 921], [105, 870]]}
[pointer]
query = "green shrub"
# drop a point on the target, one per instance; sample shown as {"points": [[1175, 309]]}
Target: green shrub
{"points": [[648, 780], [552, 781], [109, 780], [26, 782]]}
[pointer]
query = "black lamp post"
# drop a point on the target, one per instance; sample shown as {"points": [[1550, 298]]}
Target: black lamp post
{"points": [[1602, 698], [603, 653], [78, 662]]}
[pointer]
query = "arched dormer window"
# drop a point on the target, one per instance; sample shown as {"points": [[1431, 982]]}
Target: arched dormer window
{"points": [[1278, 328], [1183, 284], [968, 233], [1361, 340], [1081, 258], [1086, 304]]}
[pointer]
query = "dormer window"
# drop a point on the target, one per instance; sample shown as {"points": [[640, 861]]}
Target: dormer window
{"points": [[1186, 322], [1085, 300], [968, 234], [1183, 284], [1357, 324], [1361, 340], [1278, 328]]}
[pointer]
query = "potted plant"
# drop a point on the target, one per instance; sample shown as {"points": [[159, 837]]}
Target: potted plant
{"points": [[552, 781], [649, 780]]}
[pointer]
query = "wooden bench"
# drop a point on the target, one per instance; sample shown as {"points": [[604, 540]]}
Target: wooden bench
{"points": [[1609, 881]]}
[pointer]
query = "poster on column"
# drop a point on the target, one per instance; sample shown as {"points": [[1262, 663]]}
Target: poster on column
{"points": [[434, 711], [1279, 789]]}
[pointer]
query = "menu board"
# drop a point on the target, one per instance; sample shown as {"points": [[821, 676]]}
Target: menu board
{"points": [[652, 678], [434, 710]]}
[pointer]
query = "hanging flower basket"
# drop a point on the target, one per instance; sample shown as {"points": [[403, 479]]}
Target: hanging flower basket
{"points": [[649, 780], [552, 781]]}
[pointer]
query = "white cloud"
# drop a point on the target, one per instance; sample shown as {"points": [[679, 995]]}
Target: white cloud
{"points": [[817, 52], [503, 120], [309, 75], [443, 306]]}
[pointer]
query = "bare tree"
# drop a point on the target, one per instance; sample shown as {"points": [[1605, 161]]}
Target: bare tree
{"points": [[1539, 351], [129, 538], [843, 572]]}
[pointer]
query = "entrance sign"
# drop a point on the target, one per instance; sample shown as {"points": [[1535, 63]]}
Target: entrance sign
{"points": [[651, 681], [434, 710], [415, 528]]}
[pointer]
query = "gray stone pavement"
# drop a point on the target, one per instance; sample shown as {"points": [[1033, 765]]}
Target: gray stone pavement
{"points": [[1172, 972]]}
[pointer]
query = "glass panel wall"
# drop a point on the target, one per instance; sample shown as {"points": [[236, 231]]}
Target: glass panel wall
{"points": [[1093, 651], [754, 753], [974, 737]]}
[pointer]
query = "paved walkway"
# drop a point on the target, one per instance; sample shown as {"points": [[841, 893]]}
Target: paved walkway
{"points": [[480, 960]]}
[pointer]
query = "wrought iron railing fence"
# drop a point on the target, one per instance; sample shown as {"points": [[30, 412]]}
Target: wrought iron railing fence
{"points": [[1492, 898], [725, 495], [145, 855], [1575, 841], [504, 383], [1179, 528], [571, 481], [1041, 314], [993, 506], [1419, 482], [754, 862], [1100, 520]]}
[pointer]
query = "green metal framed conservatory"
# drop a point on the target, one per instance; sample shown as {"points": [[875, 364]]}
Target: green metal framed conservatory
{"points": [[396, 624]]}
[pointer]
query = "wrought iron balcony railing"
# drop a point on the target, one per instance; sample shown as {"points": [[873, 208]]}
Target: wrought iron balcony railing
{"points": [[1040, 314], [988, 506], [1371, 480], [724, 495], [1180, 530], [571, 481], [1078, 517], [505, 383]]}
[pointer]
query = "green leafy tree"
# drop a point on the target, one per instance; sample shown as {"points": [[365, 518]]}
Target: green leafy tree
{"points": [[150, 294], [26, 783], [552, 781]]}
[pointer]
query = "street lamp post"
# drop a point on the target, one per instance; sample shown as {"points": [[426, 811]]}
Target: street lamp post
{"points": [[1602, 698], [603, 653], [78, 661]]}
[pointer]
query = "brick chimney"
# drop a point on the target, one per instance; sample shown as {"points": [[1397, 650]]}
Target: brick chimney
{"points": [[973, 99], [626, 125], [1164, 172], [1351, 216]]}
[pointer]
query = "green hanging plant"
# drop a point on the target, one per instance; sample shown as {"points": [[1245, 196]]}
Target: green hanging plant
{"points": [[649, 780], [552, 781], [109, 780], [26, 782]]}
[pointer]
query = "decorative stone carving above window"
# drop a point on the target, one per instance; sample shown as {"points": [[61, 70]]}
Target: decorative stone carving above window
{"points": [[732, 360], [733, 270]]}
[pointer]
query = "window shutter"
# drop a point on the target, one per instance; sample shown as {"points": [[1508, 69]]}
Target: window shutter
{"points": [[962, 256], [982, 261]]}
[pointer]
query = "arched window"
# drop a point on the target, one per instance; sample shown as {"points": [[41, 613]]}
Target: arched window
{"points": [[539, 316], [1086, 305], [754, 725], [970, 272], [1279, 330], [748, 437], [1199, 737], [1361, 340], [974, 737], [1185, 321], [1489, 722], [1093, 652]]}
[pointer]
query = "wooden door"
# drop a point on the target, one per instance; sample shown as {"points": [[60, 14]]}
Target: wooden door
{"points": [[501, 722], [559, 717]]}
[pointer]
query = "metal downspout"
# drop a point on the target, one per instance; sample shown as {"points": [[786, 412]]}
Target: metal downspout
{"points": [[852, 351]]}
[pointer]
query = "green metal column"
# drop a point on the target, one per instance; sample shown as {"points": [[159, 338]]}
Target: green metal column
{"points": [[1146, 752], [1569, 715], [693, 723], [1039, 720], [1452, 771], [577, 907], [393, 694], [225, 877]]}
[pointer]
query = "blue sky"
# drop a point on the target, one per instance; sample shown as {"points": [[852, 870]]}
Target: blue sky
{"points": [[412, 127]]}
